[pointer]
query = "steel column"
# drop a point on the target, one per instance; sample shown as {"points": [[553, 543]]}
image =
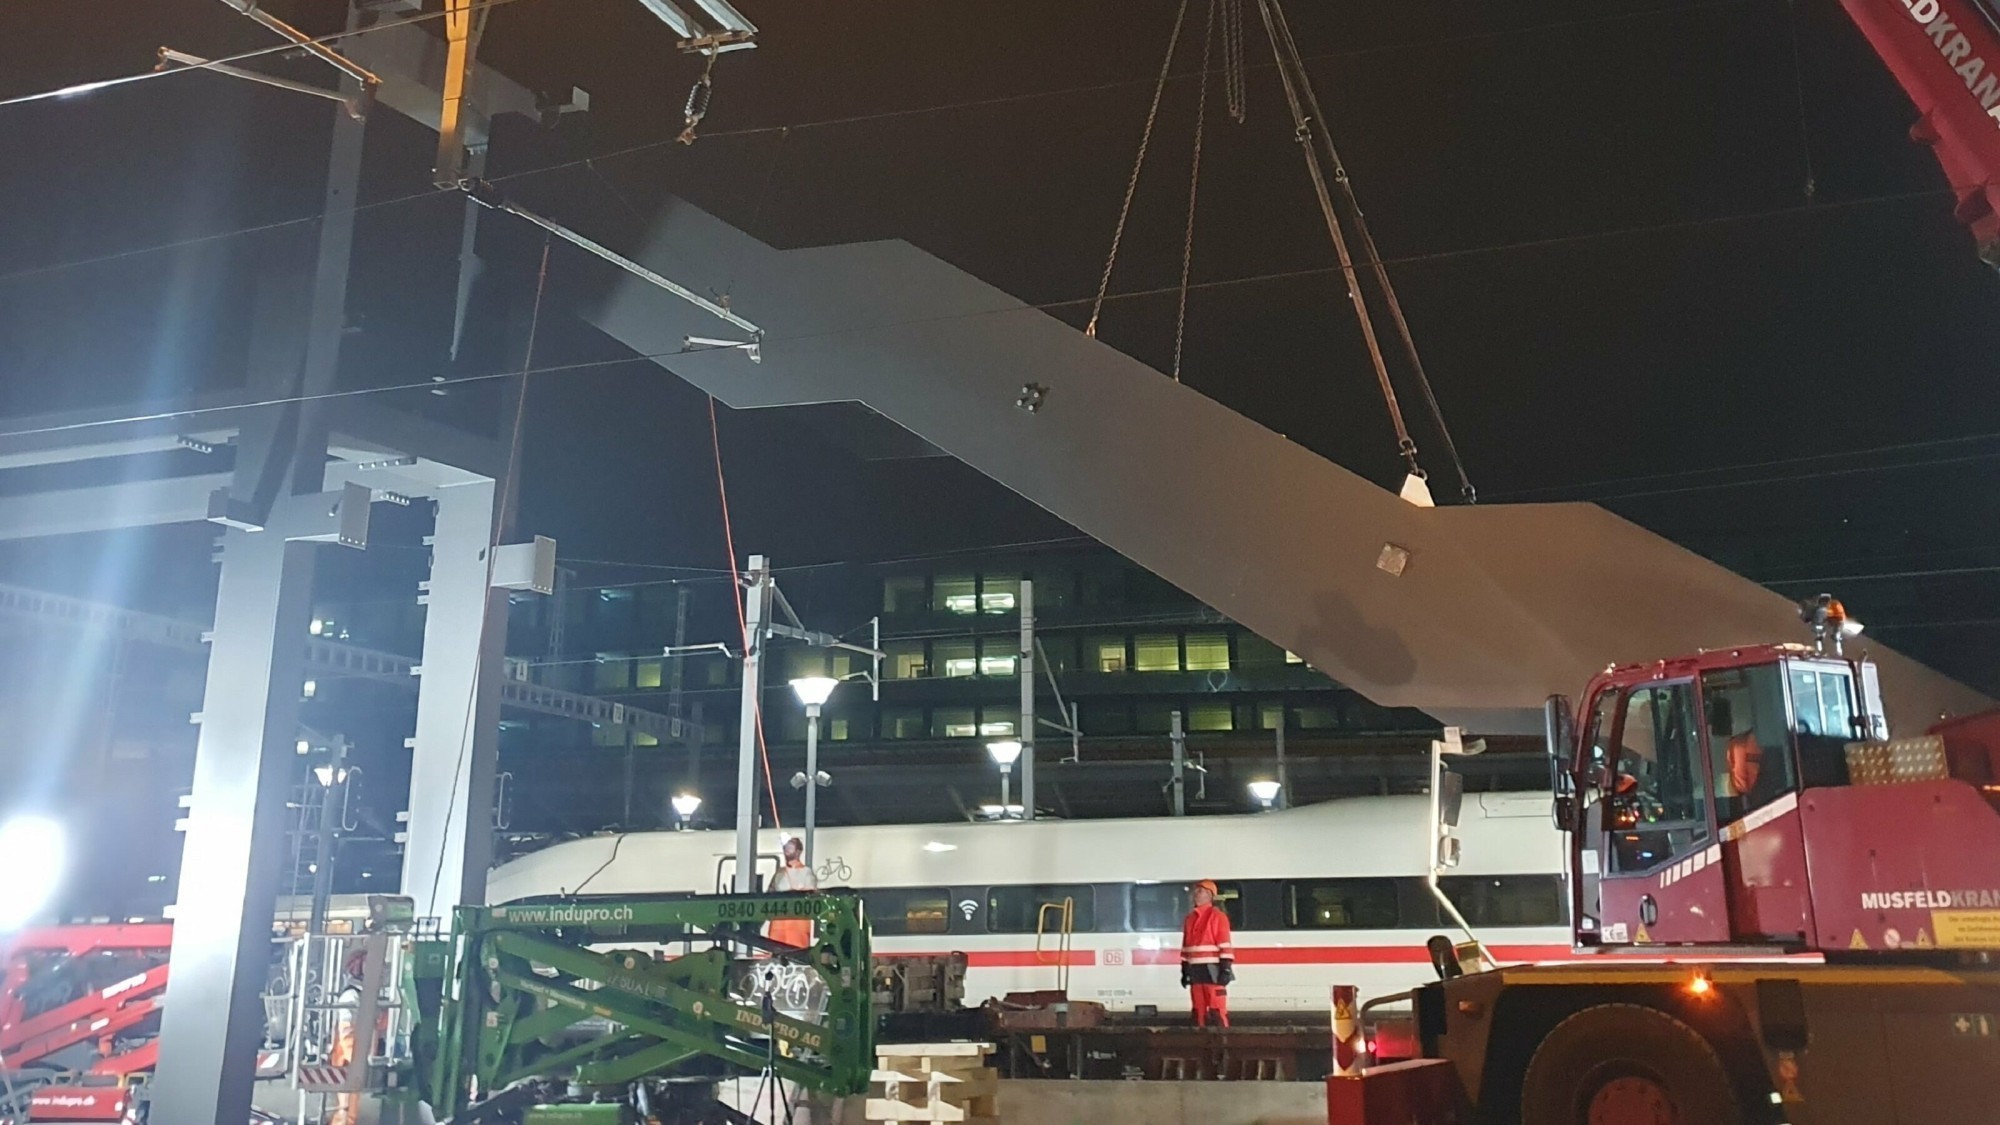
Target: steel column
{"points": [[458, 708], [1027, 725], [756, 615], [812, 779], [214, 1017], [1179, 782]]}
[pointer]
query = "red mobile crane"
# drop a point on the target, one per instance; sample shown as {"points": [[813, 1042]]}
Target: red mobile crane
{"points": [[79, 1003], [1724, 810], [1946, 54]]}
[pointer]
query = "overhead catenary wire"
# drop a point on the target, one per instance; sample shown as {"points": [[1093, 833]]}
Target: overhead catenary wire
{"points": [[1009, 309], [853, 119], [93, 86]]}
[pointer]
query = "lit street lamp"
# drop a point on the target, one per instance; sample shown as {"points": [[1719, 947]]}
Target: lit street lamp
{"points": [[685, 804], [1265, 790], [813, 691], [1005, 752]]}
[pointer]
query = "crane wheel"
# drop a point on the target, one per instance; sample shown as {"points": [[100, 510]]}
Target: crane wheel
{"points": [[1626, 1064]]}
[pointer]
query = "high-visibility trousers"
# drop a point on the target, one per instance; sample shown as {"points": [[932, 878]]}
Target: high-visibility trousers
{"points": [[1209, 998], [346, 1107]]}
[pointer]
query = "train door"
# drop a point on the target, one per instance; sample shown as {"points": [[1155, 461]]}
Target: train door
{"points": [[1660, 877]]}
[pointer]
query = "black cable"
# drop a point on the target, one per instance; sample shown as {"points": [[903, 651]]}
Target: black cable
{"points": [[616, 843]]}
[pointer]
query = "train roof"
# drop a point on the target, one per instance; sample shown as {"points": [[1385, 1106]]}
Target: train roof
{"points": [[1503, 833]]}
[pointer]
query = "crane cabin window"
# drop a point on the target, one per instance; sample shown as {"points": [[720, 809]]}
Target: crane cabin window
{"points": [[1659, 798], [1823, 721], [1749, 747]]}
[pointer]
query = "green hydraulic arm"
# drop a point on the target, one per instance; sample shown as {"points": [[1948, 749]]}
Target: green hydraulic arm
{"points": [[581, 998]]}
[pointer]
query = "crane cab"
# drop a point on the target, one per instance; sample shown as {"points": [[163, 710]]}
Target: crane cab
{"points": [[1752, 798]]}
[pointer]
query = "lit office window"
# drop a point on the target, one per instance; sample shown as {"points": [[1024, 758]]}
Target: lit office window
{"points": [[612, 673], [998, 665], [837, 730], [1156, 652], [1107, 654], [956, 593], [954, 722], [956, 657], [996, 729], [905, 660], [1208, 652], [1293, 657], [647, 674], [1211, 716], [999, 593]]}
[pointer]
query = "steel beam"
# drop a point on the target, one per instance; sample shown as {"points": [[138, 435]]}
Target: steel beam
{"points": [[1473, 614], [139, 503]]}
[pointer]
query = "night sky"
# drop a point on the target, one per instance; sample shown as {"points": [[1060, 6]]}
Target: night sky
{"points": [[1678, 257]]}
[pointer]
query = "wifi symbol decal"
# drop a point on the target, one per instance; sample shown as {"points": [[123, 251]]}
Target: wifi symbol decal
{"points": [[968, 907]]}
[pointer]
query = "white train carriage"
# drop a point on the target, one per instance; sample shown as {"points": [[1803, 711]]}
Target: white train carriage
{"points": [[1327, 894]]}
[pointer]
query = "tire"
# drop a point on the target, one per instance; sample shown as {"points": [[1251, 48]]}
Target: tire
{"points": [[1616, 1055]]}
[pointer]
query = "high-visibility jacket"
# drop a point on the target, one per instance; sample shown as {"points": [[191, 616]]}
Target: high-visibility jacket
{"points": [[795, 932], [1207, 951]]}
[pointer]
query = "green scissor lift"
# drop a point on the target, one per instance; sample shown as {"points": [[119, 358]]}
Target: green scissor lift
{"points": [[616, 1010]]}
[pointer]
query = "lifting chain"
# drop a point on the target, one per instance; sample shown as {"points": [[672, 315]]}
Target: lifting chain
{"points": [[1232, 58], [1194, 184], [1132, 184], [698, 98]]}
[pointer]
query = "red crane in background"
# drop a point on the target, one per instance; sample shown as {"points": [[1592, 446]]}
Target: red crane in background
{"points": [[1946, 54]]}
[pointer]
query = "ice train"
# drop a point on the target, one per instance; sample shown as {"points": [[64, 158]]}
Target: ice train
{"points": [[1325, 894]]}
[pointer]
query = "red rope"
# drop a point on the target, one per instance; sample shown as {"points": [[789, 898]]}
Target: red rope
{"points": [[742, 625]]}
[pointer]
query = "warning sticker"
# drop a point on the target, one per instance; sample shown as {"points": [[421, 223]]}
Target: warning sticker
{"points": [[1857, 941], [1967, 929], [1924, 938]]}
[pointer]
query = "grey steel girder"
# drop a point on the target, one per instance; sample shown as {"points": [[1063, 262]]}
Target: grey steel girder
{"points": [[1498, 605]]}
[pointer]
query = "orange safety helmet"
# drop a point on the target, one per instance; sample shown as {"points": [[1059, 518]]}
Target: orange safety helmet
{"points": [[1205, 885]]}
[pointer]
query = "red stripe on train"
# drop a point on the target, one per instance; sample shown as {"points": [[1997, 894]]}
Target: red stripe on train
{"points": [[1252, 955]]}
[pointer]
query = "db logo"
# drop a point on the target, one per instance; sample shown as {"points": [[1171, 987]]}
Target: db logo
{"points": [[1114, 957]]}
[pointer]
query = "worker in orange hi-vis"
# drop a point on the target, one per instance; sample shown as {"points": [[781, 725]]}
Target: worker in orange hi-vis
{"points": [[793, 876], [346, 1046], [1208, 956]]}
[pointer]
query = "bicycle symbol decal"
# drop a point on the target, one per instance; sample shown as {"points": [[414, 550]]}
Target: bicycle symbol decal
{"points": [[834, 870]]}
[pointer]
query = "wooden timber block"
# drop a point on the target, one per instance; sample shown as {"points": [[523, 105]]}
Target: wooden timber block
{"points": [[938, 1082]]}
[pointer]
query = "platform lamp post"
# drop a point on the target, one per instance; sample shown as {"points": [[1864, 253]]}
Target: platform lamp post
{"points": [[685, 805], [1265, 791], [813, 691], [1005, 752]]}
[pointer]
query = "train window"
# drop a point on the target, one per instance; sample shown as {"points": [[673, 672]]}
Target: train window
{"points": [[1018, 910], [1161, 907], [1507, 900], [1341, 904], [908, 910]]}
